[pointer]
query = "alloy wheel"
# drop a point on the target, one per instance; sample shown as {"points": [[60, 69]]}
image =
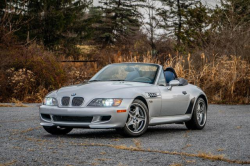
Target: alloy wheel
{"points": [[137, 118], [201, 113]]}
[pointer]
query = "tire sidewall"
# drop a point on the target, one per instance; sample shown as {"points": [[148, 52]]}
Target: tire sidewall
{"points": [[195, 114]]}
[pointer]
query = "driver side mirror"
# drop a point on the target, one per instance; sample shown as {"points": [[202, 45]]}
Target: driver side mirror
{"points": [[173, 83]]}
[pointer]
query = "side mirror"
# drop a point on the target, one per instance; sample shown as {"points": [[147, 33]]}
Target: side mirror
{"points": [[173, 83]]}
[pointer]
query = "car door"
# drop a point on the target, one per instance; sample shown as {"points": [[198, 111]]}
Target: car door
{"points": [[175, 100]]}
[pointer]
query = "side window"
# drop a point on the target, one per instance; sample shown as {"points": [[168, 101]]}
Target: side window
{"points": [[162, 80]]}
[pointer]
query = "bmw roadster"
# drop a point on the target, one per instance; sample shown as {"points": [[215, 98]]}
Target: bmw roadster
{"points": [[128, 97]]}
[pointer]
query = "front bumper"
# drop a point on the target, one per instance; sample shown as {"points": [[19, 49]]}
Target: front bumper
{"points": [[117, 120]]}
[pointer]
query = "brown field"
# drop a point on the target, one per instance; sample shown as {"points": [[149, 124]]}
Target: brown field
{"points": [[225, 79], [31, 73]]}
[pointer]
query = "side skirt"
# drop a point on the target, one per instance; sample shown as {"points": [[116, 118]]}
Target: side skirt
{"points": [[169, 119]]}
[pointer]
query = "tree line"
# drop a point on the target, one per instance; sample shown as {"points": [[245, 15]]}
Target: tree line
{"points": [[162, 25]]}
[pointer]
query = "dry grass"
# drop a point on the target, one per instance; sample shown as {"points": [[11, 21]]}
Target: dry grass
{"points": [[28, 130], [5, 105], [137, 143], [8, 105], [95, 163], [238, 127], [102, 153], [8, 163], [188, 145], [86, 49], [225, 79], [220, 149], [190, 161], [186, 133], [102, 159], [176, 164], [20, 105], [202, 155], [17, 103]]}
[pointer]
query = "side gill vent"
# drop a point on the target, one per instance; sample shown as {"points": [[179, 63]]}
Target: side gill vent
{"points": [[152, 94]]}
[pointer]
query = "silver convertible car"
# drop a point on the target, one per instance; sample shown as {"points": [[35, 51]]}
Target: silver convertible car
{"points": [[127, 97]]}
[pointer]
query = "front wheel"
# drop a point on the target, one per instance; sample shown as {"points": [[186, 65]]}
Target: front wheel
{"points": [[199, 116], [56, 130], [137, 121]]}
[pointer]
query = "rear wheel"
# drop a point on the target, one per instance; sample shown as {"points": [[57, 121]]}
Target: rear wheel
{"points": [[199, 116], [137, 121], [56, 130]]}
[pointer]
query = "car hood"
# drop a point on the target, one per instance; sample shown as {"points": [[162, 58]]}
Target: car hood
{"points": [[97, 89]]}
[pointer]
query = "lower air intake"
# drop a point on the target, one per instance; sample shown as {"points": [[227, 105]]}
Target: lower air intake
{"points": [[75, 119]]}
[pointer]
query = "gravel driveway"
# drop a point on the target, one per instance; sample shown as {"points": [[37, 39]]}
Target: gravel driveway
{"points": [[224, 141]]}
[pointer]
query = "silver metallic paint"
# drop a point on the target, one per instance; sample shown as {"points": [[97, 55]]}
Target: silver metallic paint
{"points": [[168, 107]]}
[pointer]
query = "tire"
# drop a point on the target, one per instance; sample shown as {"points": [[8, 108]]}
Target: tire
{"points": [[137, 121], [199, 116], [56, 130]]}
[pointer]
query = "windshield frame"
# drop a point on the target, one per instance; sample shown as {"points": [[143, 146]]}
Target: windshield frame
{"points": [[156, 77]]}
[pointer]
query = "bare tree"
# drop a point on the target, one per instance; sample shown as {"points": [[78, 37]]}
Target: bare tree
{"points": [[151, 22]]}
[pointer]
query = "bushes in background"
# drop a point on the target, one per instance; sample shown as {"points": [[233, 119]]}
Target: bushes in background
{"points": [[28, 73], [225, 79]]}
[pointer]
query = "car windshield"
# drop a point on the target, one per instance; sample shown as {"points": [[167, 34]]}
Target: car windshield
{"points": [[145, 73]]}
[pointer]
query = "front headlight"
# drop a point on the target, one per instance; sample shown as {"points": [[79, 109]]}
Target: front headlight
{"points": [[51, 101], [105, 102]]}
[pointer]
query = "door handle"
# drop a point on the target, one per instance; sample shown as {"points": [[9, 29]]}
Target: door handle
{"points": [[184, 92]]}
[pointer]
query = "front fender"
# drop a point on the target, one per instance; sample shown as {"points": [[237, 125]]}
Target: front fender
{"points": [[154, 104]]}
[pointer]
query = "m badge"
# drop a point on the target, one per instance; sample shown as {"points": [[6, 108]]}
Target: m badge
{"points": [[73, 94]]}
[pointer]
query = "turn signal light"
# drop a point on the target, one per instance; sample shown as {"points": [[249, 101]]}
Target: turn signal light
{"points": [[121, 111]]}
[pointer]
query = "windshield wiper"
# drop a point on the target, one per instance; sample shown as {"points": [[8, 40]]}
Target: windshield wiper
{"points": [[94, 80], [104, 80], [115, 80]]}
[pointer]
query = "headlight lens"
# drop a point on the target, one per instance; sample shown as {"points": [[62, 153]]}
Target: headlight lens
{"points": [[105, 102], [50, 101]]}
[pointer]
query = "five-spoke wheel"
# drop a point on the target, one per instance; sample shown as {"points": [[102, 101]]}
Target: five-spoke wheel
{"points": [[137, 118], [137, 121]]}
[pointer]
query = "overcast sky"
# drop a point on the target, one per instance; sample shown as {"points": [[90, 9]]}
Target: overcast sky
{"points": [[210, 2]]}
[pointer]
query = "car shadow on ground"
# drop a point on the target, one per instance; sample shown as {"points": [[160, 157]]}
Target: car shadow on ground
{"points": [[112, 133]]}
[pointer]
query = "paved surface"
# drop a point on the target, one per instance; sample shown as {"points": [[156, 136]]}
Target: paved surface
{"points": [[24, 142]]}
